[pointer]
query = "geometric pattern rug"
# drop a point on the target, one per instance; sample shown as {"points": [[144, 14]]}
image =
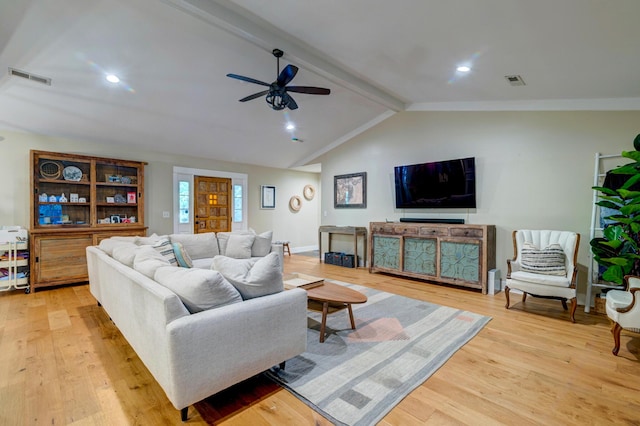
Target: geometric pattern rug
{"points": [[357, 376]]}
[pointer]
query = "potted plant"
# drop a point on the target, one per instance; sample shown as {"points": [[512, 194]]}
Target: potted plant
{"points": [[618, 250]]}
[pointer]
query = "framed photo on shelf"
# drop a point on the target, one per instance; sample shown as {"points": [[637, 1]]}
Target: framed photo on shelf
{"points": [[131, 197], [267, 197], [111, 200], [350, 191], [115, 218]]}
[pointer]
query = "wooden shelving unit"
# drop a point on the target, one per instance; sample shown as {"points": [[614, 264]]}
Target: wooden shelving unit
{"points": [[77, 201]]}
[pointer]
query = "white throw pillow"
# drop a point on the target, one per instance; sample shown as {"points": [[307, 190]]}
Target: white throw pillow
{"points": [[199, 246], [147, 260], [199, 289], [150, 240], [125, 253], [239, 246], [252, 277], [262, 244], [547, 261], [108, 244]]}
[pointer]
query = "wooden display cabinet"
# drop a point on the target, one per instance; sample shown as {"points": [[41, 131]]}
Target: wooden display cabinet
{"points": [[76, 201], [453, 254]]}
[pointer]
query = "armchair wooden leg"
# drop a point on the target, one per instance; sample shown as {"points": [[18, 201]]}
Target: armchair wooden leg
{"points": [[506, 295], [615, 330], [574, 305], [564, 304], [524, 297], [184, 414]]}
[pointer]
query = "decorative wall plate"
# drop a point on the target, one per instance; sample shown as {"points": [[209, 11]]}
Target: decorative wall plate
{"points": [[72, 173], [295, 203], [309, 192]]}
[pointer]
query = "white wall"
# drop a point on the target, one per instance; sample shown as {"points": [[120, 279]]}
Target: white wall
{"points": [[300, 228], [534, 169]]}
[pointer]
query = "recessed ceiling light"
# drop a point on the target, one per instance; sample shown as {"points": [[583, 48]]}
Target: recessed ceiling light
{"points": [[111, 78], [290, 126], [463, 68]]}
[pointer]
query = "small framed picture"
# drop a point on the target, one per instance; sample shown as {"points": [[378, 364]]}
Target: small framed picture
{"points": [[115, 219], [267, 197], [103, 221], [73, 198], [131, 197], [111, 200]]}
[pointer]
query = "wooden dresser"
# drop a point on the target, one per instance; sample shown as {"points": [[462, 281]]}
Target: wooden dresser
{"points": [[442, 253]]}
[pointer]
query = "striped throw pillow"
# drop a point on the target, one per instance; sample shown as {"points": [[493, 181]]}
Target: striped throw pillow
{"points": [[183, 258], [547, 261], [164, 247]]}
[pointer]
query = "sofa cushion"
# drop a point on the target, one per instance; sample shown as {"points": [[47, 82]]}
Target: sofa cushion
{"points": [[262, 243], [239, 246], [199, 246], [108, 244], [125, 253], [150, 240], [252, 277], [165, 248], [547, 261], [183, 258], [147, 260], [199, 289]]}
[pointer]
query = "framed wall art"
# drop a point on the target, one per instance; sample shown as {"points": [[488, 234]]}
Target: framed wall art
{"points": [[267, 197], [350, 191]]}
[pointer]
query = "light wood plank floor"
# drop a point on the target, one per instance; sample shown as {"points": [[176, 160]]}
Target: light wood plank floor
{"points": [[63, 362]]}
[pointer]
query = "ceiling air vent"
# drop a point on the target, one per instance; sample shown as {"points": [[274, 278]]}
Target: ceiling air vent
{"points": [[515, 80], [23, 74]]}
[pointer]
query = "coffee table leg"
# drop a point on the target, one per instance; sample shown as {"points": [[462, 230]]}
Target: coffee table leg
{"points": [[325, 311], [353, 323]]}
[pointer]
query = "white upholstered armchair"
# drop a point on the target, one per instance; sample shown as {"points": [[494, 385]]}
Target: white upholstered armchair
{"points": [[544, 265], [623, 308]]}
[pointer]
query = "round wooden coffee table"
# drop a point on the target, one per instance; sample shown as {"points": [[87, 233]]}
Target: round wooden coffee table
{"points": [[329, 298]]}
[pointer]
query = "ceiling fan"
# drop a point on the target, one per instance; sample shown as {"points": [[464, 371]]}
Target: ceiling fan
{"points": [[277, 96]]}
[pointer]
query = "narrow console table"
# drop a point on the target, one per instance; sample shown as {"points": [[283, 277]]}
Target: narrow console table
{"points": [[346, 230], [445, 253]]}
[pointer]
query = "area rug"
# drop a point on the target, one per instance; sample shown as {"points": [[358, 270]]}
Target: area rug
{"points": [[357, 376]]}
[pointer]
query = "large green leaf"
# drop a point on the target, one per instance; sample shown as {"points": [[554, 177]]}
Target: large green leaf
{"points": [[613, 232], [613, 274], [631, 181], [630, 209], [620, 261], [635, 227], [604, 190], [627, 169], [634, 155], [626, 194], [609, 204]]}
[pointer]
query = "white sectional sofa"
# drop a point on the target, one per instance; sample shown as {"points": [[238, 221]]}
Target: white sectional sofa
{"points": [[195, 331]]}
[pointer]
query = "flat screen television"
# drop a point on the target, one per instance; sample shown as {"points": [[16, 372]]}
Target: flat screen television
{"points": [[441, 184]]}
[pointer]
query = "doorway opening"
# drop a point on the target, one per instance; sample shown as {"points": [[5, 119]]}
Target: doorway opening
{"points": [[184, 200]]}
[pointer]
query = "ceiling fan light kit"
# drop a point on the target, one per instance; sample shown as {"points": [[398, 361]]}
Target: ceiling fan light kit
{"points": [[277, 95]]}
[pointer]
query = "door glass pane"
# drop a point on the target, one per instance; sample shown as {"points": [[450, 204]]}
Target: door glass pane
{"points": [[237, 203], [183, 197]]}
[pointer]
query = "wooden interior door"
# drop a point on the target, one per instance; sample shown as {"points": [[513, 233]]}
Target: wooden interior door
{"points": [[213, 204]]}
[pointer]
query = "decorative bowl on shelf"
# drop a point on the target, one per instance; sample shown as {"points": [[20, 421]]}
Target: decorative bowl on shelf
{"points": [[72, 173]]}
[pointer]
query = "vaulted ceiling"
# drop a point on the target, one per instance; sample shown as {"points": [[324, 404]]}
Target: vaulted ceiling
{"points": [[378, 57]]}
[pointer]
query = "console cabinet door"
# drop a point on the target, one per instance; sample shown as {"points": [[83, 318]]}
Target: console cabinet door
{"points": [[60, 259]]}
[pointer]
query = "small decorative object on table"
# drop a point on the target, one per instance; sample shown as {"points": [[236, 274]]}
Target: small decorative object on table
{"points": [[73, 198], [63, 199]]}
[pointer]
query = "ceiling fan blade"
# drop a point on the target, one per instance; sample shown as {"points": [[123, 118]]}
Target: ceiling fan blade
{"points": [[286, 75], [248, 79], [254, 96], [291, 104], [308, 89]]}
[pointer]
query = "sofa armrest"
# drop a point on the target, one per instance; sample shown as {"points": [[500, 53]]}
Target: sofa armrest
{"points": [[212, 350]]}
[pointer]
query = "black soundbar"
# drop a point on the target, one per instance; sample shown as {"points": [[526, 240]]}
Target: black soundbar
{"points": [[425, 220]]}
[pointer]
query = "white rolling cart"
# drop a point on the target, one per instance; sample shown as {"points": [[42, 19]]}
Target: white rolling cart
{"points": [[14, 259]]}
